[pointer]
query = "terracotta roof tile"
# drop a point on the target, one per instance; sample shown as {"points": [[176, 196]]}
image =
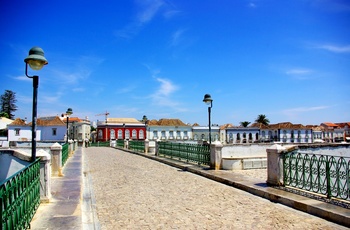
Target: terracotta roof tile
{"points": [[18, 121], [167, 122]]}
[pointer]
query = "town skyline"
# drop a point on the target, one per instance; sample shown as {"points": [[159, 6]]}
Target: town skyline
{"points": [[287, 60]]}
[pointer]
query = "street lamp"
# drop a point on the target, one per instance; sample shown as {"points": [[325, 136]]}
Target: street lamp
{"points": [[36, 61], [68, 113], [207, 100]]}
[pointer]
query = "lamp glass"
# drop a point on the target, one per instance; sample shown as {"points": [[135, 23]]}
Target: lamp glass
{"points": [[36, 64]]}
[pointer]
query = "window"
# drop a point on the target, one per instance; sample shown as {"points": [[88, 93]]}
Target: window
{"points": [[127, 134], [134, 134], [163, 134], [171, 134], [141, 134], [178, 135], [54, 131], [112, 134], [155, 134], [185, 134], [17, 132], [120, 134], [100, 134]]}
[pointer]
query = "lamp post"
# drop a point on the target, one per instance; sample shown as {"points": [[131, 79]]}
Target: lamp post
{"points": [[68, 113], [207, 100], [36, 60]]}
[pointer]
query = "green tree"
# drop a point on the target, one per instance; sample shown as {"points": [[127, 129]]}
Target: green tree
{"points": [[3, 114], [244, 123], [8, 103], [262, 119]]}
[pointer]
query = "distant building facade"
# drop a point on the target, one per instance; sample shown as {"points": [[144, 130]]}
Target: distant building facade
{"points": [[168, 130], [120, 128]]}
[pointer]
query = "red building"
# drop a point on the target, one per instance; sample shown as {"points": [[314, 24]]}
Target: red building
{"points": [[120, 129]]}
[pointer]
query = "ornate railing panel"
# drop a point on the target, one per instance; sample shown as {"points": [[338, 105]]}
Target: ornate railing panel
{"points": [[120, 143], [199, 154], [20, 197], [138, 146], [100, 144], [326, 175], [64, 153]]}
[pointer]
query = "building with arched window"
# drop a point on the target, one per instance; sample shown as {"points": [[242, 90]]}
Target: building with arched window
{"points": [[120, 129]]}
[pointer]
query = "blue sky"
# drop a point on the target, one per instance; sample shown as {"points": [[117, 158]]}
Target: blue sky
{"points": [[289, 60]]}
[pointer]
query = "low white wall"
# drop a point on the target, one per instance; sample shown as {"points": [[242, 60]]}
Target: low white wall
{"points": [[242, 151]]}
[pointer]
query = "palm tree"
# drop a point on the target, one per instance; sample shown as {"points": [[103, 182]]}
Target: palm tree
{"points": [[262, 119], [244, 123]]}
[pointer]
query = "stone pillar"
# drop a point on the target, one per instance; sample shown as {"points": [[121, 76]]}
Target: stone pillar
{"points": [[157, 147], [126, 144], [112, 143], [216, 155], [70, 147], [56, 153], [275, 163], [45, 175], [146, 145]]}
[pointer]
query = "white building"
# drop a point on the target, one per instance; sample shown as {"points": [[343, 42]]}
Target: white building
{"points": [[201, 133], [168, 129], [47, 129]]}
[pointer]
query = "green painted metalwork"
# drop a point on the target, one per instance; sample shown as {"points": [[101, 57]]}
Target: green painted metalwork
{"points": [[65, 153], [120, 143], [138, 146], [194, 153], [100, 144], [326, 175], [20, 197]]}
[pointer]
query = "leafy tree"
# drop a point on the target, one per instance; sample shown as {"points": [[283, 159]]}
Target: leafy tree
{"points": [[3, 114], [8, 103], [144, 119], [262, 119], [244, 123]]}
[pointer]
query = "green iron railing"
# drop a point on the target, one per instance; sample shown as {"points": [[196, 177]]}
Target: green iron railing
{"points": [[20, 197], [120, 143], [138, 146], [65, 153], [100, 144], [194, 153], [326, 175]]}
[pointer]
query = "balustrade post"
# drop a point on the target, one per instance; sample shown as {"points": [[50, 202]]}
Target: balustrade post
{"points": [[157, 147], [216, 155], [56, 153], [45, 175], [126, 144], [146, 145], [71, 147], [112, 143], [275, 163]]}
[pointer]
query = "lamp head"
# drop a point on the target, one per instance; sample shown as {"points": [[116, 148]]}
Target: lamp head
{"points": [[36, 58], [69, 111], [207, 99]]}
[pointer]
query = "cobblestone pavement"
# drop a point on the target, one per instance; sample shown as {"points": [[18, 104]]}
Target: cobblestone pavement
{"points": [[133, 192]]}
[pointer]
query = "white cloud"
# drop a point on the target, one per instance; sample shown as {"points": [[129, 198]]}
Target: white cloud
{"points": [[166, 87], [176, 37], [335, 48], [23, 78], [304, 109], [298, 71], [252, 5], [148, 9]]}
